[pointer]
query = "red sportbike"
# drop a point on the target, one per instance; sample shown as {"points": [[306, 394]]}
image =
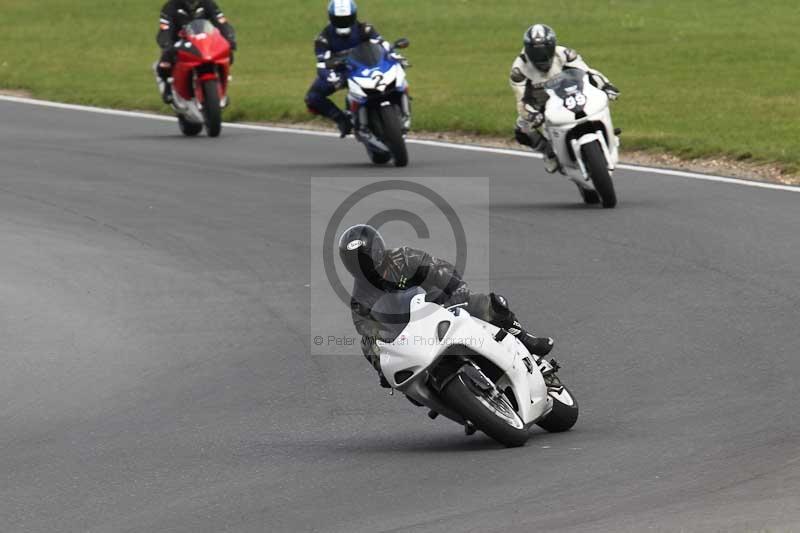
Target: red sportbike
{"points": [[200, 78]]}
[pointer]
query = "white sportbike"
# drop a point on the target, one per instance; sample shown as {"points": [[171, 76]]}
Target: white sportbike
{"points": [[578, 124], [468, 370]]}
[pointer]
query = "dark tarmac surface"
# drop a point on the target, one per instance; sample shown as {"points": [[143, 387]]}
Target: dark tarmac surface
{"points": [[156, 374]]}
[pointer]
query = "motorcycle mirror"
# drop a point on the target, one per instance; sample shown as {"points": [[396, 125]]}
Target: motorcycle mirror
{"points": [[402, 43]]}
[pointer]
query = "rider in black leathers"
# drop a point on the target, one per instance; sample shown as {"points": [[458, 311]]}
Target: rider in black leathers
{"points": [[175, 15], [377, 270]]}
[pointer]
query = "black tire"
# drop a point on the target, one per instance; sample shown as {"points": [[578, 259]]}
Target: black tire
{"points": [[393, 134], [563, 416], [597, 166], [464, 398], [211, 108], [379, 158], [589, 197], [190, 129]]}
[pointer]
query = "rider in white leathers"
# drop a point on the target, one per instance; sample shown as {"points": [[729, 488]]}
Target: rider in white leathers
{"points": [[539, 61]]}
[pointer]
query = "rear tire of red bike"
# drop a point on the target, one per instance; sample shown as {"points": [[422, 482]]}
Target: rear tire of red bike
{"points": [[212, 111], [190, 129]]}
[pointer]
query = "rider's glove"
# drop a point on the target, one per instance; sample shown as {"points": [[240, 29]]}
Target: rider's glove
{"points": [[535, 119], [334, 79], [532, 119], [400, 59], [611, 91]]}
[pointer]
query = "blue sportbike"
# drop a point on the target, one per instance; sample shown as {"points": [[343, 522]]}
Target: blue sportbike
{"points": [[378, 99]]}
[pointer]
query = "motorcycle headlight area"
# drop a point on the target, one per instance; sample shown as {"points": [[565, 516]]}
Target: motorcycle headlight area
{"points": [[377, 82]]}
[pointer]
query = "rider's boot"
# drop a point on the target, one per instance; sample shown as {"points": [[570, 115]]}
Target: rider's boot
{"points": [[523, 138], [538, 346], [163, 72], [344, 123], [166, 93], [551, 164], [406, 108], [535, 140]]}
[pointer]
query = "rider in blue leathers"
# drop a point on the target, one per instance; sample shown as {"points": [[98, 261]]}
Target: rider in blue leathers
{"points": [[342, 34]]}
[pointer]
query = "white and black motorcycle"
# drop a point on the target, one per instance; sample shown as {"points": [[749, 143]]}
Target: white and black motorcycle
{"points": [[469, 370], [578, 124]]}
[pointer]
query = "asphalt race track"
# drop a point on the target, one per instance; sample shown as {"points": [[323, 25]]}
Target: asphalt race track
{"points": [[155, 339]]}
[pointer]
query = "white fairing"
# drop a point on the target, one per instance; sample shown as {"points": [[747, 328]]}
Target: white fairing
{"points": [[400, 74], [418, 347], [375, 80], [355, 89], [560, 120]]}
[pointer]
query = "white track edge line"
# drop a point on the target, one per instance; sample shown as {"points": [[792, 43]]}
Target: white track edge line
{"points": [[439, 144]]}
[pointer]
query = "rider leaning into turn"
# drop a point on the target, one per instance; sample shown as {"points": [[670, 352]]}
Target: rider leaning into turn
{"points": [[541, 60], [342, 34], [175, 15], [377, 270]]}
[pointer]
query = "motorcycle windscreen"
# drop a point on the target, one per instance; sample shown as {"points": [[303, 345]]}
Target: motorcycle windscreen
{"points": [[569, 81], [393, 312], [199, 26], [367, 54]]}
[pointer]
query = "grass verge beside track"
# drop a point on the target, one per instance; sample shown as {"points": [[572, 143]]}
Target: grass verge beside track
{"points": [[698, 78]]}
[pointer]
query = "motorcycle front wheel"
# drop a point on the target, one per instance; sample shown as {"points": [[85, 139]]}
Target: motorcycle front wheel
{"points": [[597, 166], [393, 134], [212, 111], [490, 411]]}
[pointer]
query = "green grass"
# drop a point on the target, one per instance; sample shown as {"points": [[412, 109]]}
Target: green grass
{"points": [[698, 77]]}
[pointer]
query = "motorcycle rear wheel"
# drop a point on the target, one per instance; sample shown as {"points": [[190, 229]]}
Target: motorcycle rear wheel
{"points": [[190, 129], [212, 111], [589, 197], [597, 166], [379, 158], [494, 416], [564, 413]]}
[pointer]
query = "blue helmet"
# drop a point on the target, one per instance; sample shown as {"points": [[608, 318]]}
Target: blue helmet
{"points": [[342, 14]]}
